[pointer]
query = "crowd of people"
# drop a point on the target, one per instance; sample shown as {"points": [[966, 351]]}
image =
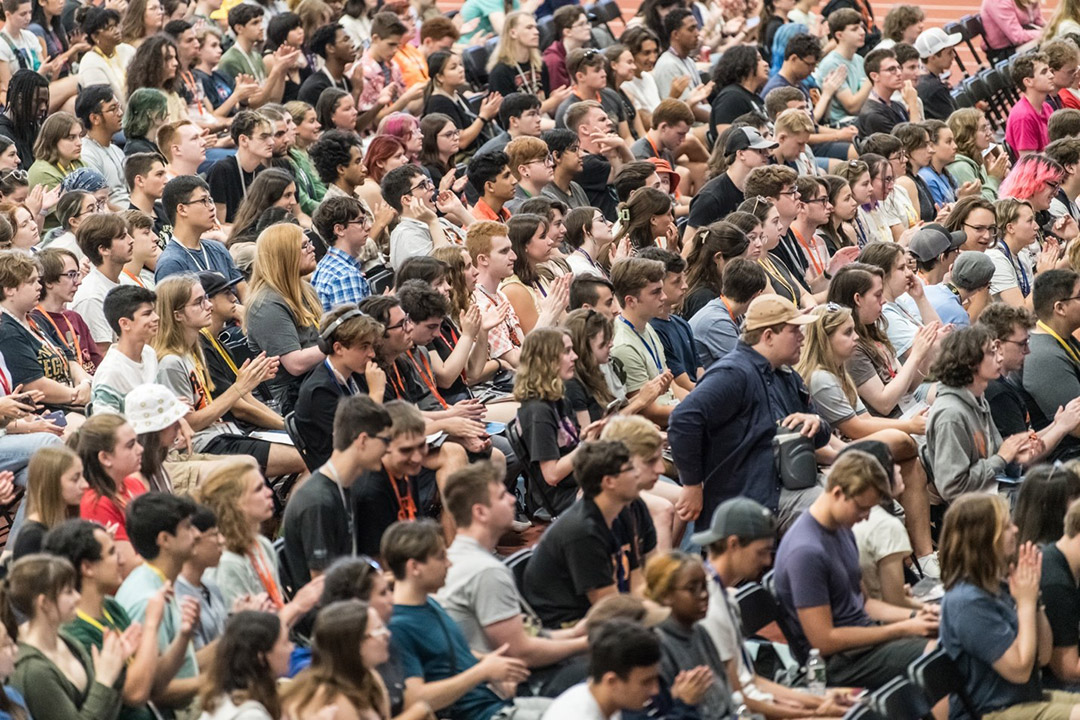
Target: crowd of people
{"points": [[310, 312]]}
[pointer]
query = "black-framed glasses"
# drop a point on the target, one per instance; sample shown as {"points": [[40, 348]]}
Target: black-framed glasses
{"points": [[992, 229], [204, 200], [424, 184], [386, 440], [1022, 344], [823, 200], [71, 275], [406, 321], [793, 192], [1072, 297]]}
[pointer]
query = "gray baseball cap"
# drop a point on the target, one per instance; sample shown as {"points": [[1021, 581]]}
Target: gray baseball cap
{"points": [[747, 138], [972, 270], [934, 240], [740, 516]]}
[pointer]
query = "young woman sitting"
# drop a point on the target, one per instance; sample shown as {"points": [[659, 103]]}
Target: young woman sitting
{"points": [[54, 491], [241, 682]]}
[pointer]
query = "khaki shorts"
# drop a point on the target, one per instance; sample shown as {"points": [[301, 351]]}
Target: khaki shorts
{"points": [[185, 471], [1055, 705]]}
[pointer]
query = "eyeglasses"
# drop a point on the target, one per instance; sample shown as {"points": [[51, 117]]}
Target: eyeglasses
{"points": [[823, 200], [1024, 345], [378, 632], [891, 69], [407, 321], [384, 438], [450, 134], [204, 200], [307, 245], [204, 301], [992, 229], [1054, 186], [71, 275], [548, 161], [1074, 297], [425, 184], [793, 192]]}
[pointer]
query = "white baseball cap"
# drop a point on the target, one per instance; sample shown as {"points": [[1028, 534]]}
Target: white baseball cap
{"points": [[933, 40]]}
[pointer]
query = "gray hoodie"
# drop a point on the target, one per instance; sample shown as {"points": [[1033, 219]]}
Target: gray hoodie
{"points": [[961, 441]]}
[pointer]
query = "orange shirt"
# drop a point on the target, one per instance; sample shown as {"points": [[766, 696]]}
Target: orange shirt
{"points": [[482, 211], [412, 63]]}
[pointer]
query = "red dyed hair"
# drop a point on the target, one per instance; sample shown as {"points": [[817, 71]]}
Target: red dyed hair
{"points": [[381, 149]]}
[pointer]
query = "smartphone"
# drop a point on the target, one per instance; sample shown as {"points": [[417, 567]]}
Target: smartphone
{"points": [[58, 418], [614, 406]]}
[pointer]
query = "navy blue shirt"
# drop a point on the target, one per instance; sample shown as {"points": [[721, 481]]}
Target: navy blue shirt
{"points": [[721, 434], [678, 341]]}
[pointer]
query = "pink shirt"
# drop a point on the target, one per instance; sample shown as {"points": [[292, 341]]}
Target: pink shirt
{"points": [[1026, 130], [1007, 24]]}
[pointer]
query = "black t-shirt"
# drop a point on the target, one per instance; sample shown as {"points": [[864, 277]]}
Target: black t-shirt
{"points": [[317, 527], [217, 86], [1007, 407], [227, 185], [696, 299], [876, 116], [29, 539], [140, 145], [376, 507], [550, 431], [714, 202], [28, 357], [635, 533], [578, 553], [731, 102], [937, 99], [791, 255], [316, 404], [1062, 599], [593, 179], [444, 344], [581, 399], [505, 79], [404, 383], [312, 87], [462, 116]]}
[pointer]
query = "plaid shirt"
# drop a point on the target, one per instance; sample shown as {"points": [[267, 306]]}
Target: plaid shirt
{"points": [[339, 279]]}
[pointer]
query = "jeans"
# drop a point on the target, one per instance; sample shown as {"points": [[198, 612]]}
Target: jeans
{"points": [[15, 454]]}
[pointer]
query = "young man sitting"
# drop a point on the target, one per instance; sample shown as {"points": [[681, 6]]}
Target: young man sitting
{"points": [[846, 28], [566, 155], [145, 176], [675, 333], [489, 246], [230, 177], [345, 226], [603, 153], [716, 324], [190, 209], [100, 112], [531, 165], [880, 113], [130, 361], [588, 71], [1027, 129], [159, 527], [520, 115], [439, 668], [319, 523], [420, 229], [351, 337], [182, 147], [865, 642], [105, 241], [496, 185]]}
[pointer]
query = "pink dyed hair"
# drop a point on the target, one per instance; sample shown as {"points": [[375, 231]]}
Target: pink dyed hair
{"points": [[1029, 175]]}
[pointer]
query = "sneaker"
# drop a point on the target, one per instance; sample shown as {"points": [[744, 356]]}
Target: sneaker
{"points": [[520, 526], [928, 565]]}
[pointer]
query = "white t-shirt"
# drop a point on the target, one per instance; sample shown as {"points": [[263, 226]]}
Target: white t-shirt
{"points": [[642, 92], [878, 537], [578, 703], [30, 46], [117, 375], [1006, 273], [89, 302]]}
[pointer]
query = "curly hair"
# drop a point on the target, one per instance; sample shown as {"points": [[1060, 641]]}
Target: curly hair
{"points": [[740, 63], [147, 69], [222, 492], [538, 373], [460, 298], [899, 19], [585, 324], [960, 354]]}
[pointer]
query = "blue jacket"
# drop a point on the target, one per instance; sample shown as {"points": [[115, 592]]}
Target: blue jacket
{"points": [[721, 434]]}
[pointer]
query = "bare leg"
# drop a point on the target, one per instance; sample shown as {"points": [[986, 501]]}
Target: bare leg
{"points": [[284, 460], [916, 498]]}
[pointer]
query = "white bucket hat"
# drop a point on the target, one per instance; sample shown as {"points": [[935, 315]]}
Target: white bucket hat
{"points": [[152, 408]]}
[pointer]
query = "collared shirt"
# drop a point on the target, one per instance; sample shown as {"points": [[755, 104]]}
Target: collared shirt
{"points": [[721, 434], [505, 336], [482, 211], [339, 278]]}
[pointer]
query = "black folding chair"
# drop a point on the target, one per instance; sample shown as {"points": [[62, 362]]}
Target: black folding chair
{"points": [[861, 711], [1004, 68], [517, 562], [962, 97], [288, 582], [476, 59], [973, 28], [900, 699], [959, 29], [535, 485], [938, 677], [546, 26]]}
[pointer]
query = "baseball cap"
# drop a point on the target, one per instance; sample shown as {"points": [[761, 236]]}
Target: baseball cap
{"points": [[740, 516], [933, 40], [934, 240], [747, 138], [769, 310], [972, 270], [214, 282]]}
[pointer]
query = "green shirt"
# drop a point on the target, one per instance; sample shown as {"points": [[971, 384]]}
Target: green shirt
{"points": [[89, 632], [235, 61], [48, 692], [308, 197]]}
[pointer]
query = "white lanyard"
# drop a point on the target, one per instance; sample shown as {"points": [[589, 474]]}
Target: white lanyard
{"points": [[192, 254]]}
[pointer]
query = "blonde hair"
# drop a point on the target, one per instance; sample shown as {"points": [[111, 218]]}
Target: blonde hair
{"points": [[173, 294], [506, 52], [222, 492], [1065, 10], [794, 121], [639, 435], [538, 374], [964, 124], [44, 495], [1007, 211], [974, 523], [856, 472], [277, 269], [662, 572], [817, 353]]}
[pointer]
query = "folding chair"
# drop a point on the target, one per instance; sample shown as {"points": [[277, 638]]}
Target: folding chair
{"points": [[476, 59], [535, 485], [962, 97], [959, 29], [973, 28], [938, 677], [517, 562], [900, 699]]}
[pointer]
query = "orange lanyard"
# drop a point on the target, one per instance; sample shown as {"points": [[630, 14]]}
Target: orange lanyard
{"points": [[428, 377], [399, 387], [452, 344], [811, 253], [729, 310], [406, 506], [189, 80], [201, 378], [134, 278], [267, 580], [59, 334]]}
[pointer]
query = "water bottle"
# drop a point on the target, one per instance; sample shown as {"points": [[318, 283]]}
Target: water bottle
{"points": [[743, 713], [815, 673]]}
